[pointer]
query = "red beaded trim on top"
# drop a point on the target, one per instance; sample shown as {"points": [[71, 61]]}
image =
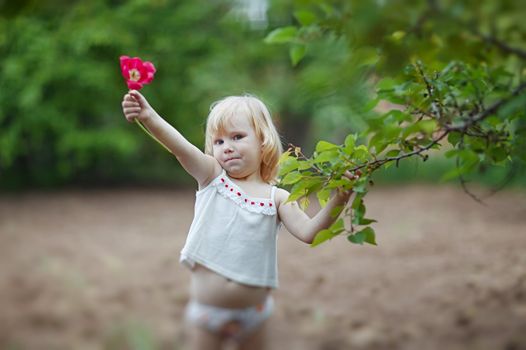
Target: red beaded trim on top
{"points": [[239, 194]]}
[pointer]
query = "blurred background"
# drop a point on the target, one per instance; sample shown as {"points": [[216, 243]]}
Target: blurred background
{"points": [[93, 213], [61, 86]]}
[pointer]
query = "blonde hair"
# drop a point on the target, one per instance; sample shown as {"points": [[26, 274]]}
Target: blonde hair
{"points": [[255, 110]]}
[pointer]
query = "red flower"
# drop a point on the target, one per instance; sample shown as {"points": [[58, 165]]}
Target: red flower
{"points": [[136, 72]]}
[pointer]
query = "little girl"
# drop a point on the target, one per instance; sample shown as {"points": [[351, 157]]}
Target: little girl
{"points": [[231, 246]]}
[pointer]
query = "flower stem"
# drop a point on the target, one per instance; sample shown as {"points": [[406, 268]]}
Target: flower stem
{"points": [[150, 134]]}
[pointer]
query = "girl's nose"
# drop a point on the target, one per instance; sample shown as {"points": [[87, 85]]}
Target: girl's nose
{"points": [[227, 148]]}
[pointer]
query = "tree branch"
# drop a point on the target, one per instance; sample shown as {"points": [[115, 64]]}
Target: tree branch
{"points": [[446, 130], [489, 111], [379, 162], [490, 39]]}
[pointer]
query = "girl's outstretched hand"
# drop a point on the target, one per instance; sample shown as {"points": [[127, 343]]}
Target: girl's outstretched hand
{"points": [[351, 176], [135, 106]]}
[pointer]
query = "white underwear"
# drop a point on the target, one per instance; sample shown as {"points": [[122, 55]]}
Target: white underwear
{"points": [[230, 323]]}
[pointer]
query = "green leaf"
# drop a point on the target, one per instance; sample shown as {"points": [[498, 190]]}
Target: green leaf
{"points": [[371, 104], [288, 165], [386, 84], [453, 173], [337, 226], [392, 153], [357, 200], [370, 236], [284, 156], [366, 235], [498, 154], [359, 213], [361, 153], [328, 156], [304, 203], [282, 35], [291, 178], [469, 160], [366, 55], [323, 196], [365, 221], [304, 164], [344, 182], [378, 142], [322, 236], [304, 187], [296, 194], [451, 153], [334, 230], [323, 146], [305, 17], [357, 238], [336, 211], [427, 126], [398, 35], [349, 143], [296, 53], [360, 186]]}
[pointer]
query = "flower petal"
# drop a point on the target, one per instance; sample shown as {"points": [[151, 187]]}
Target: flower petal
{"points": [[134, 85], [135, 62], [149, 66], [149, 77], [123, 59]]}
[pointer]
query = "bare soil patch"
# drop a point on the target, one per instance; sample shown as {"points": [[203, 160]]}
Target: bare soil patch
{"points": [[99, 270]]}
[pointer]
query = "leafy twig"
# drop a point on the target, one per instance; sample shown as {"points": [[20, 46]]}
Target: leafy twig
{"points": [[487, 112]]}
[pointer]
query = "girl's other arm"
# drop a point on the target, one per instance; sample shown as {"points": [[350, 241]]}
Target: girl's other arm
{"points": [[299, 224], [200, 166]]}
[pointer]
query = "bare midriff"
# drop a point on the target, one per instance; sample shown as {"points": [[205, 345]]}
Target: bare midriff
{"points": [[208, 287]]}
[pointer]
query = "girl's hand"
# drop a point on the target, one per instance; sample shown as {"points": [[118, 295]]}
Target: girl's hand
{"points": [[351, 176], [135, 106]]}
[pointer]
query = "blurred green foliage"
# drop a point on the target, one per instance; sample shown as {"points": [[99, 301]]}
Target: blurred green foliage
{"points": [[442, 75], [61, 88]]}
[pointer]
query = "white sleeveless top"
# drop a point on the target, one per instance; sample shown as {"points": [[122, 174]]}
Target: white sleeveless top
{"points": [[234, 234]]}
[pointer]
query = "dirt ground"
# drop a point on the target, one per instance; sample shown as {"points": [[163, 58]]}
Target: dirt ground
{"points": [[99, 270]]}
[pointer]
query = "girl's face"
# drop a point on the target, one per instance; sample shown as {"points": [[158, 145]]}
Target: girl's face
{"points": [[238, 149]]}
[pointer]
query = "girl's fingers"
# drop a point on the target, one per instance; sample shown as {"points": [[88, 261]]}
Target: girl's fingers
{"points": [[353, 176], [129, 110], [130, 103], [138, 97], [129, 98], [131, 117]]}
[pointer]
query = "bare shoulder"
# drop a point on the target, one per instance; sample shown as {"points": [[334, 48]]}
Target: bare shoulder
{"points": [[281, 196], [214, 170]]}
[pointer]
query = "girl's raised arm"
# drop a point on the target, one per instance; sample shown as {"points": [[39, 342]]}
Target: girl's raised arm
{"points": [[200, 166]]}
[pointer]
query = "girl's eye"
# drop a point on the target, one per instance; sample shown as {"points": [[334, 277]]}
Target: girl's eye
{"points": [[218, 142], [238, 137]]}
